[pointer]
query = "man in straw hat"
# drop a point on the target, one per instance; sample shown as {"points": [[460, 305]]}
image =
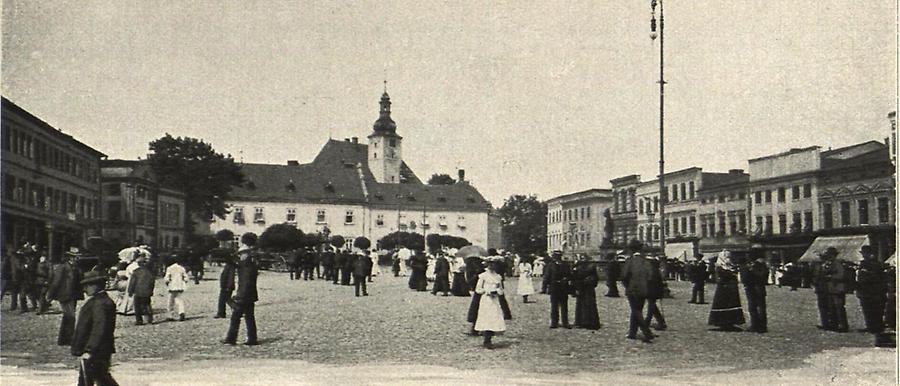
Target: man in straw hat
{"points": [[94, 339]]}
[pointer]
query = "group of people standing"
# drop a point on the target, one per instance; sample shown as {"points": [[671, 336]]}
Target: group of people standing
{"points": [[342, 267]]}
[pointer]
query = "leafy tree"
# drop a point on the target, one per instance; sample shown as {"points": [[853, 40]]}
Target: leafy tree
{"points": [[410, 240], [524, 223], [436, 242], [249, 239], [281, 237], [338, 241], [193, 166], [441, 179], [362, 243], [225, 235]]}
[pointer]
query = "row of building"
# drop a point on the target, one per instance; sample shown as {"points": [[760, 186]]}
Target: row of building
{"points": [[59, 192], [782, 203]]}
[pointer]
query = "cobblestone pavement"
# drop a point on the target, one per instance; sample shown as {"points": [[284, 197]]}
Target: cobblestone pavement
{"points": [[316, 323]]}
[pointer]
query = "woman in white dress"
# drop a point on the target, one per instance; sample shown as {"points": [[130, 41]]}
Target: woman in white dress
{"points": [[490, 315], [526, 286]]}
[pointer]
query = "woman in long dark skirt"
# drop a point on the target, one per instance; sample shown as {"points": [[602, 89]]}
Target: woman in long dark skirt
{"points": [[459, 286], [585, 278], [726, 312]]}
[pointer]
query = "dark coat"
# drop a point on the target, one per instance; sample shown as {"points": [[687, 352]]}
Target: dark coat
{"points": [[835, 274], [636, 276], [755, 275], [328, 259], [362, 265], [870, 279], [141, 283], [655, 283], [17, 264], [246, 285], [65, 283], [474, 267], [226, 279], [94, 331], [441, 266], [560, 276]]}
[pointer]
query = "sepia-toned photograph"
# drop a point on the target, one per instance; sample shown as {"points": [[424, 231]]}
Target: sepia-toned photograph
{"points": [[396, 192]]}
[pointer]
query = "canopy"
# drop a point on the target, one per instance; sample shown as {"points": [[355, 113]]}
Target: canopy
{"points": [[847, 247], [892, 261], [680, 251], [471, 251]]}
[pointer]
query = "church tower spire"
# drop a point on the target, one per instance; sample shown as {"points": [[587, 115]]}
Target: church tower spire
{"points": [[385, 155]]}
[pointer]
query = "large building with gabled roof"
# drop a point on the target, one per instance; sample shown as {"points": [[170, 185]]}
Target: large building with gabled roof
{"points": [[356, 189]]}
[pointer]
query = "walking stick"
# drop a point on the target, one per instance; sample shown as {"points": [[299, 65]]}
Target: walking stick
{"points": [[83, 371]]}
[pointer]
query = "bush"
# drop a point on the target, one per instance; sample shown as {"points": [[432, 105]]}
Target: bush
{"points": [[362, 243], [410, 240], [224, 235], [338, 241], [281, 237]]}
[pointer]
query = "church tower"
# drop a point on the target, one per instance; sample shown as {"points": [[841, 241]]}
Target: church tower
{"points": [[385, 146]]}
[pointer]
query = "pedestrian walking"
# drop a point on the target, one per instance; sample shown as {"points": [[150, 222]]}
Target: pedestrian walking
{"points": [[140, 288], [754, 277], [698, 274], [176, 279], [525, 287], [655, 291], [613, 271], [636, 276], [459, 286], [836, 285], [871, 290], [226, 285], [361, 269], [726, 312], [65, 288], [94, 338], [490, 320], [585, 279], [244, 300], [560, 274], [441, 275], [373, 258], [474, 268]]}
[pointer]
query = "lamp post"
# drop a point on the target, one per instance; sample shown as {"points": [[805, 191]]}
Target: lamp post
{"points": [[663, 196]]}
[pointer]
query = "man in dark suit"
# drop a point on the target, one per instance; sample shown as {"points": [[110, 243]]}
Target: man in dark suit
{"points": [[362, 266], [836, 284], [871, 290], [65, 288], [560, 274], [244, 300], [636, 276], [327, 258], [755, 275], [226, 286], [698, 273], [820, 288], [94, 339], [613, 271]]}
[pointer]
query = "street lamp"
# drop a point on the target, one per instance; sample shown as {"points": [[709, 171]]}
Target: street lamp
{"points": [[663, 197]]}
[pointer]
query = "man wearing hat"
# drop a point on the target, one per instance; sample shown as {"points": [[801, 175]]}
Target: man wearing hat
{"points": [[697, 273], [244, 300], [755, 276], [560, 274], [821, 290], [613, 270], [94, 339], [871, 290], [835, 276], [636, 276], [65, 288]]}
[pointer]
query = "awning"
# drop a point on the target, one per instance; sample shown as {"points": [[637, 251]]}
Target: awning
{"points": [[847, 247], [892, 261], [680, 251]]}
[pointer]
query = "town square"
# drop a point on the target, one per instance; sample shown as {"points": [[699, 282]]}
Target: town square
{"points": [[268, 193]]}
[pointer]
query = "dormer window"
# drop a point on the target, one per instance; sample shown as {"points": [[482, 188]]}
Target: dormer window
{"points": [[290, 186], [392, 142]]}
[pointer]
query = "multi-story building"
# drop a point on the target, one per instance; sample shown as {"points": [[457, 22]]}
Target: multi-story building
{"points": [[577, 223], [856, 195], [51, 184], [356, 189], [724, 213], [137, 209], [624, 209]]}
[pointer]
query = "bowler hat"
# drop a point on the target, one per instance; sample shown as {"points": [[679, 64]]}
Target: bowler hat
{"points": [[93, 277]]}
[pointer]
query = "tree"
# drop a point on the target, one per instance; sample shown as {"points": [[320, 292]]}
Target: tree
{"points": [[524, 223], [193, 166], [338, 241], [224, 235], [362, 243], [441, 179], [435, 242], [410, 240], [281, 237]]}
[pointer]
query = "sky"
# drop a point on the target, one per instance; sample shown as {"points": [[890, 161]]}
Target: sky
{"points": [[529, 97]]}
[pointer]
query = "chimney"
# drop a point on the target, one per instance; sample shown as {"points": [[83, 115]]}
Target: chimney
{"points": [[354, 139], [293, 162], [462, 175], [736, 171], [346, 139]]}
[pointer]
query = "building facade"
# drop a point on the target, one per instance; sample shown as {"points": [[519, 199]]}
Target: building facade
{"points": [[51, 184], [354, 189], [137, 209], [578, 222], [624, 209], [724, 214]]}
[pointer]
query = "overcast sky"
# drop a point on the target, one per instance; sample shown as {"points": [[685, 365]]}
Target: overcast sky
{"points": [[545, 97]]}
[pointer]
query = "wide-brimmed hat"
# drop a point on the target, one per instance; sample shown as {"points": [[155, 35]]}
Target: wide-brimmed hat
{"points": [[73, 251], [93, 277]]}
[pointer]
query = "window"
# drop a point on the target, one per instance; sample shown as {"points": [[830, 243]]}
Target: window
{"points": [[320, 216], [781, 194], [656, 204], [742, 195], [238, 215], [807, 221], [684, 225], [769, 225], [582, 214], [667, 227], [693, 225], [588, 213], [862, 207], [758, 197], [795, 192], [827, 217], [392, 142], [379, 220], [721, 224], [742, 222], [768, 196], [845, 213], [884, 215], [796, 225], [691, 189], [807, 190], [782, 223], [291, 216], [732, 223], [259, 214], [348, 217], [683, 191], [674, 192], [641, 206]]}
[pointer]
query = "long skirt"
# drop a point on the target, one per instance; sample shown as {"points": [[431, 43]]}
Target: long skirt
{"points": [[490, 315], [459, 287], [124, 304], [586, 314], [526, 286], [472, 315], [726, 306], [441, 284]]}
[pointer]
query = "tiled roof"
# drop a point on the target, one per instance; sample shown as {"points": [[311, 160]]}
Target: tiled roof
{"points": [[340, 174]]}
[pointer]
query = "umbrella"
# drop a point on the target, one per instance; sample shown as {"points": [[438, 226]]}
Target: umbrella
{"points": [[470, 251]]}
